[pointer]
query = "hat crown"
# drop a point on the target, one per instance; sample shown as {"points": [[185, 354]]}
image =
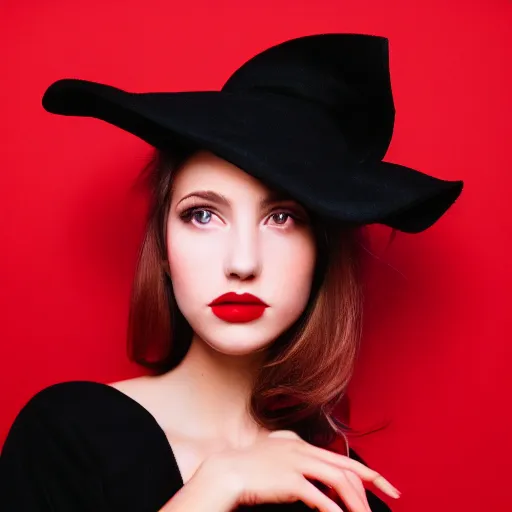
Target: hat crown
{"points": [[348, 74]]}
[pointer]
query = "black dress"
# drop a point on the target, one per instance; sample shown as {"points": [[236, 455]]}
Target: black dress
{"points": [[86, 446]]}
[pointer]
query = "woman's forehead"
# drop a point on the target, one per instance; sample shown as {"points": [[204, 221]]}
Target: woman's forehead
{"points": [[204, 171]]}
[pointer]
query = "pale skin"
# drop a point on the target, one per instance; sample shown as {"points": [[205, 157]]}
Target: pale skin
{"points": [[239, 237]]}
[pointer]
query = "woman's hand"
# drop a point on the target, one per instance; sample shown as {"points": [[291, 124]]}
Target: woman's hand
{"points": [[277, 469]]}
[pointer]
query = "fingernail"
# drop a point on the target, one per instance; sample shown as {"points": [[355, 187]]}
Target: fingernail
{"points": [[386, 487]]}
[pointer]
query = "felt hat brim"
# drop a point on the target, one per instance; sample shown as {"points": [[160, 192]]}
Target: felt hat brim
{"points": [[283, 141]]}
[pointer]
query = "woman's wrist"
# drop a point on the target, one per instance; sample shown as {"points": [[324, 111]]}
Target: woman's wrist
{"points": [[204, 492]]}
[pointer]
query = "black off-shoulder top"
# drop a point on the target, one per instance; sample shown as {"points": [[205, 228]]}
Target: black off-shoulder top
{"points": [[83, 446]]}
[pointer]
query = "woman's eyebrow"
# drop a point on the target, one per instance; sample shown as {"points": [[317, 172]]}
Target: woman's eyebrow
{"points": [[210, 195]]}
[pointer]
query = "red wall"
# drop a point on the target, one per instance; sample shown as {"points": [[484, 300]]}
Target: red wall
{"points": [[436, 359]]}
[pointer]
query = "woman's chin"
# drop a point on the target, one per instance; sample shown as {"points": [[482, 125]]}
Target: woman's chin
{"points": [[241, 345]]}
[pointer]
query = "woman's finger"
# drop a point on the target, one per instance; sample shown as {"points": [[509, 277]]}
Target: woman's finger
{"points": [[358, 486], [343, 462], [314, 498], [332, 476], [350, 494]]}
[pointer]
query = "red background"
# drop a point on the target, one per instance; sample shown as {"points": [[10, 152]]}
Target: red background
{"points": [[436, 357]]}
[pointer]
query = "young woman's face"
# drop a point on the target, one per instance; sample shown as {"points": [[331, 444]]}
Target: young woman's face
{"points": [[246, 240]]}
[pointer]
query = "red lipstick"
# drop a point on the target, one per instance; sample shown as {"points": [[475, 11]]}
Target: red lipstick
{"points": [[238, 308]]}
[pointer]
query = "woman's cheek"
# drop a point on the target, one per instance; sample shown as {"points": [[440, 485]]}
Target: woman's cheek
{"points": [[194, 267], [292, 267]]}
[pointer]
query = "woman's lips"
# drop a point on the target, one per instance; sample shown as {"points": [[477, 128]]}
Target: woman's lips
{"points": [[238, 313], [238, 308]]}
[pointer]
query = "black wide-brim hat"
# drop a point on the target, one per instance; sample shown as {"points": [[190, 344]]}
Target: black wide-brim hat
{"points": [[312, 116]]}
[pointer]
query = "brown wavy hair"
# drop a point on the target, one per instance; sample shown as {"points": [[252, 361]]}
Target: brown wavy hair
{"points": [[301, 385]]}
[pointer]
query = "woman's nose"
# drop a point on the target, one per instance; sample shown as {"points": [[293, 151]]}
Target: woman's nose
{"points": [[243, 258]]}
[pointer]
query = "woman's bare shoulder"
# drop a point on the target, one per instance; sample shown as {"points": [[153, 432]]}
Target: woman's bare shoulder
{"points": [[133, 386]]}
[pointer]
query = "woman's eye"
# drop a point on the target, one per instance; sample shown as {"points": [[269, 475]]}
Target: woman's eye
{"points": [[199, 215], [280, 218], [202, 216]]}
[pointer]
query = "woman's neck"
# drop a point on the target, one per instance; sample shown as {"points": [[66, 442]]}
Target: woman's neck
{"points": [[212, 392]]}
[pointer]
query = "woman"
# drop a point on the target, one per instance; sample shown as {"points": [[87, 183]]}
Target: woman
{"points": [[246, 302]]}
